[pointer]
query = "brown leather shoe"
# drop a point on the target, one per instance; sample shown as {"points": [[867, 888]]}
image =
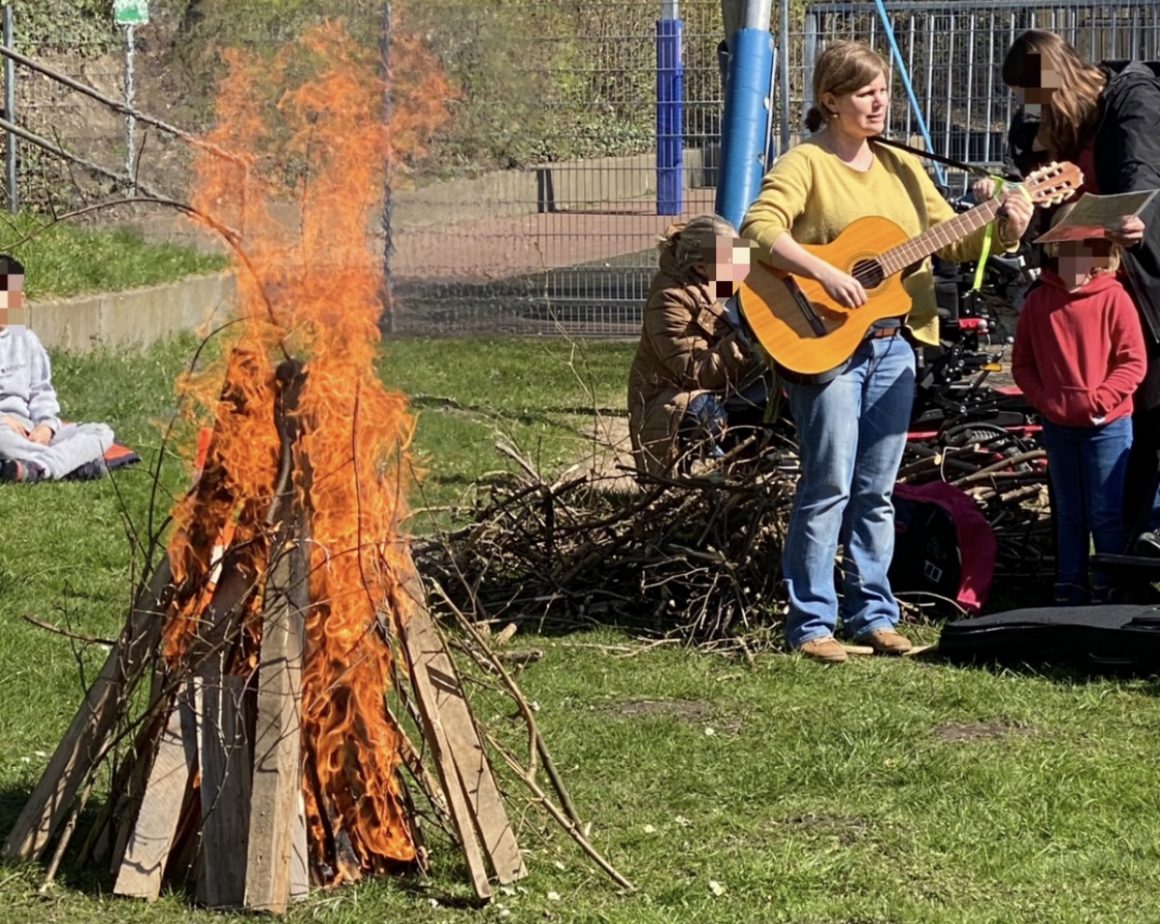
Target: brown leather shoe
{"points": [[826, 649], [886, 641]]}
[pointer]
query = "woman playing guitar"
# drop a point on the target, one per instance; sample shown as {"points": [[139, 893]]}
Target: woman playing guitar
{"points": [[852, 421]]}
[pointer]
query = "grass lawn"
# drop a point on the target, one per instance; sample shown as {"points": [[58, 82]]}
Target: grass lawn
{"points": [[67, 258], [878, 791]]}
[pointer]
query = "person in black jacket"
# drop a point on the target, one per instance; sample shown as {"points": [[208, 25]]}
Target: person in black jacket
{"points": [[1105, 119]]}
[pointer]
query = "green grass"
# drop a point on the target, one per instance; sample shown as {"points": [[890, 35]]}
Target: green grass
{"points": [[879, 791], [539, 396], [67, 258]]}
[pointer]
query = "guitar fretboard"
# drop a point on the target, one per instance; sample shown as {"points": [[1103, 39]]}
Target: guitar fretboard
{"points": [[933, 239]]}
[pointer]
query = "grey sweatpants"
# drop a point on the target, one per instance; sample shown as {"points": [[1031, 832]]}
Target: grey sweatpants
{"points": [[71, 447]]}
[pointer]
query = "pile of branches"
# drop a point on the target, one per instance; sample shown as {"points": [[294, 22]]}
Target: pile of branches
{"points": [[694, 556]]}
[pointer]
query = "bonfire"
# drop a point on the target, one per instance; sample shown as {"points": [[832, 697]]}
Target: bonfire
{"points": [[287, 615]]}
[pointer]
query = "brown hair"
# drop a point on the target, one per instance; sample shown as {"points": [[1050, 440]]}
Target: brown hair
{"points": [[1070, 116], [694, 241], [842, 68]]}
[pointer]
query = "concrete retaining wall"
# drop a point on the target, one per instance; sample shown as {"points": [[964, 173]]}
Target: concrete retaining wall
{"points": [[136, 317]]}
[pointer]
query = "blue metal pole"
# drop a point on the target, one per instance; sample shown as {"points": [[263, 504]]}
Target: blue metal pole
{"points": [[670, 112], [745, 132], [905, 74]]}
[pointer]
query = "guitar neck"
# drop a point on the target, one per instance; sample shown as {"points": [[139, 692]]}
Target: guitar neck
{"points": [[936, 238]]}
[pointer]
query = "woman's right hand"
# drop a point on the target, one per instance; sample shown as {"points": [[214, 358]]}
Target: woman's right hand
{"points": [[842, 288]]}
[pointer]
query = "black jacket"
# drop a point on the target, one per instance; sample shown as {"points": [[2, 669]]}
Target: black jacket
{"points": [[1127, 157]]}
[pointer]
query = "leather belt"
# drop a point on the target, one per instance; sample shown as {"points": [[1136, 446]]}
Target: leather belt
{"points": [[876, 333]]}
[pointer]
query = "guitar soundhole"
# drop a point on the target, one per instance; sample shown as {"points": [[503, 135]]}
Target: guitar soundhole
{"points": [[869, 273]]}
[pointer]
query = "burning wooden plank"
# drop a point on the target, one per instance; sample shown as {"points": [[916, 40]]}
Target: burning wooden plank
{"points": [[276, 864], [226, 767]]}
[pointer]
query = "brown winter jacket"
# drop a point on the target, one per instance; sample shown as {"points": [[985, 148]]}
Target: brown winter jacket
{"points": [[686, 348]]}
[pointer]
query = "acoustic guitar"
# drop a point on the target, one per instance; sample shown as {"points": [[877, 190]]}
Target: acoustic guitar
{"points": [[806, 331]]}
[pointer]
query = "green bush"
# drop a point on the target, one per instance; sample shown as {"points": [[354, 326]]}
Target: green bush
{"points": [[80, 27], [536, 79]]}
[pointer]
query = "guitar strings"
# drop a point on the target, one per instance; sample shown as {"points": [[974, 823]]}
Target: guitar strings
{"points": [[873, 271], [869, 271]]}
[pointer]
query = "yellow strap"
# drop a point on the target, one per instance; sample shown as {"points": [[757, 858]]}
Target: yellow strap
{"points": [[988, 240]]}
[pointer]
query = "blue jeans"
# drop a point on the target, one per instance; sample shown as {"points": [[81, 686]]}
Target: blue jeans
{"points": [[851, 433], [1087, 467]]}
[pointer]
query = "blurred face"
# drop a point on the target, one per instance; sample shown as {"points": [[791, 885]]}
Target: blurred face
{"points": [[1078, 261], [731, 266], [1042, 82], [861, 113], [11, 300]]}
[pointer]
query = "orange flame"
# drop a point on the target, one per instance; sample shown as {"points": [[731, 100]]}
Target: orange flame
{"points": [[311, 122]]}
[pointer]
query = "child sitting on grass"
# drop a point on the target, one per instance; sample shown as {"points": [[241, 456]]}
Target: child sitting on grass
{"points": [[1079, 355], [34, 445]]}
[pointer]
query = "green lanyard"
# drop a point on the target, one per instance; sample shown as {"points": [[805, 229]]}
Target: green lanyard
{"points": [[988, 239]]}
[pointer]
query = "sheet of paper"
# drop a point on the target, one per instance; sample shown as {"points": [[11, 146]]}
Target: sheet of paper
{"points": [[1093, 213]]}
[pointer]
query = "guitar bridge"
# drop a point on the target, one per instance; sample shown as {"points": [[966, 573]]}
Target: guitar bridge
{"points": [[805, 307]]}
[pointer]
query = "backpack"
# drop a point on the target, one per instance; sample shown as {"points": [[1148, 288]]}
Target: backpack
{"points": [[942, 544]]}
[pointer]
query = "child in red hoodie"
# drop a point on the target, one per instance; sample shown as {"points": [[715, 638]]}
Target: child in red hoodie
{"points": [[1079, 354]]}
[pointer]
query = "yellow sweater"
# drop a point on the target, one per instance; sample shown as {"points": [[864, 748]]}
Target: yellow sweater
{"points": [[815, 196]]}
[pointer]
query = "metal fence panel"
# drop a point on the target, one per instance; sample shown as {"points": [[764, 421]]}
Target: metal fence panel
{"points": [[954, 51], [567, 242]]}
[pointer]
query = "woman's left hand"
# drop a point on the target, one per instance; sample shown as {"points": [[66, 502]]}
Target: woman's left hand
{"points": [[1017, 209], [1127, 232]]}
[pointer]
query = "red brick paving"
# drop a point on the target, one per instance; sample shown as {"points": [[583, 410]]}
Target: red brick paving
{"points": [[479, 250]]}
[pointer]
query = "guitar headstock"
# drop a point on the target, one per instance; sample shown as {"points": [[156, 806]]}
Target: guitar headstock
{"points": [[1054, 183]]}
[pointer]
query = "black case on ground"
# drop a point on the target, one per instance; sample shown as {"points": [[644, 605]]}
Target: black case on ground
{"points": [[1120, 639]]}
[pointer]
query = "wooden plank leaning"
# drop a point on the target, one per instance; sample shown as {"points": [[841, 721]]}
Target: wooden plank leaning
{"points": [[166, 789], [223, 749], [277, 812], [475, 773], [418, 649], [84, 742]]}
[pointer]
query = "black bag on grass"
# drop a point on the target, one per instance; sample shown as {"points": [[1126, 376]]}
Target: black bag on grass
{"points": [[1102, 639]]}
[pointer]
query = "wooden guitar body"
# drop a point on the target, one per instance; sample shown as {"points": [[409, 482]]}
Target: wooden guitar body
{"points": [[807, 332], [799, 325]]}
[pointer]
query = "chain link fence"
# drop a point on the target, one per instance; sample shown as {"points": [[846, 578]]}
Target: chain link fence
{"points": [[537, 208], [57, 113], [566, 239]]}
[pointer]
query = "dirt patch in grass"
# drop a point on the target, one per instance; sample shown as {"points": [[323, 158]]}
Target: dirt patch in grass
{"points": [[847, 830], [609, 454], [693, 711], [979, 731]]}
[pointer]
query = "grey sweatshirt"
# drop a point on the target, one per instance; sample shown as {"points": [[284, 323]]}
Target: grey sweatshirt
{"points": [[26, 391]]}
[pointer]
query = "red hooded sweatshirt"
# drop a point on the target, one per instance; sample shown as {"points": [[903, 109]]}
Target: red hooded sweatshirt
{"points": [[1079, 355]]}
